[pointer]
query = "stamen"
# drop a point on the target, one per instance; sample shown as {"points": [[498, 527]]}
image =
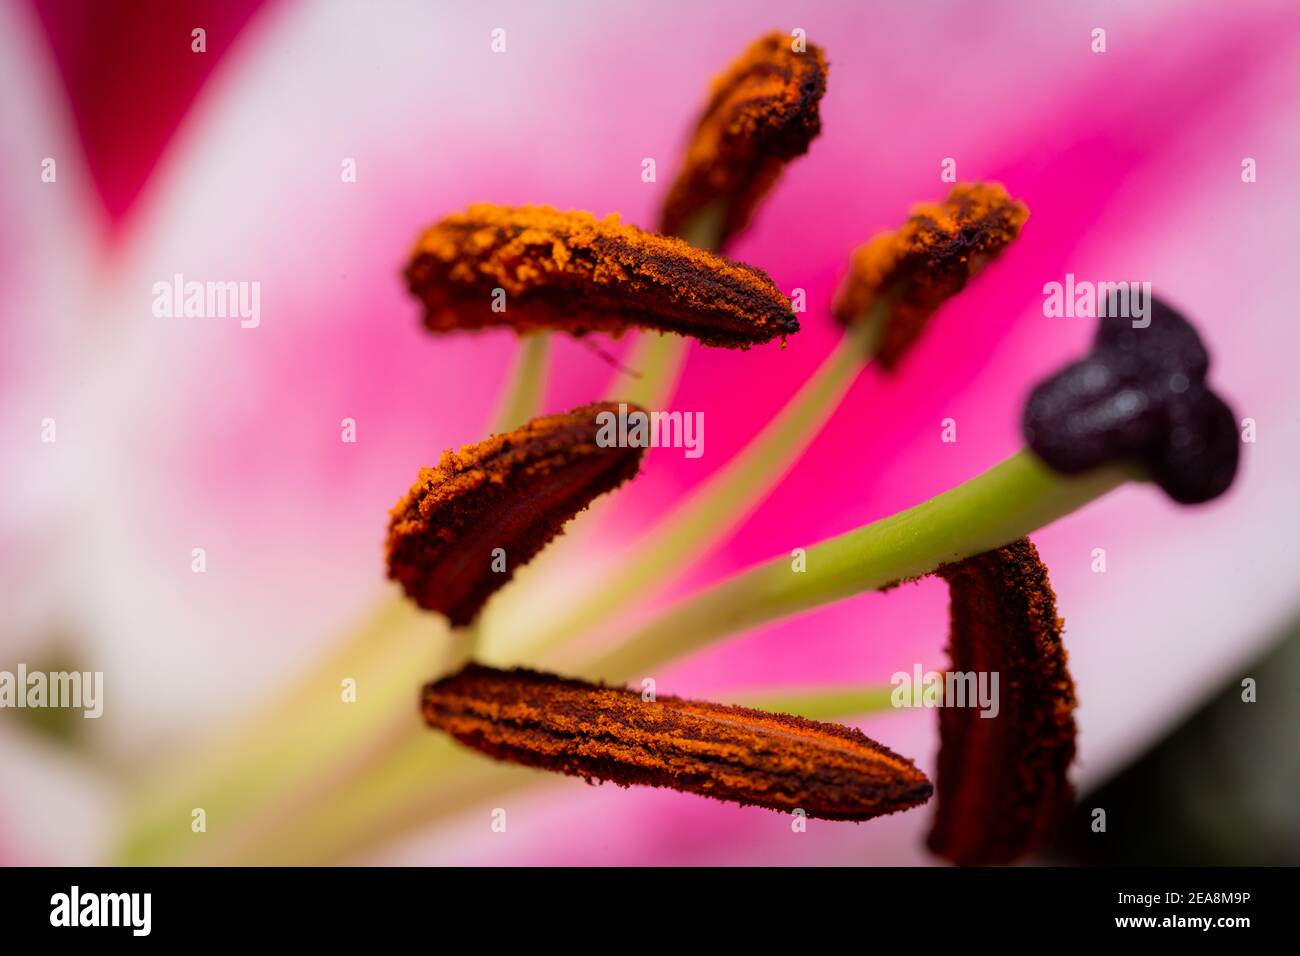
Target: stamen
{"points": [[465, 526], [730, 753], [748, 133], [763, 112], [573, 272], [917, 268], [1003, 787]]}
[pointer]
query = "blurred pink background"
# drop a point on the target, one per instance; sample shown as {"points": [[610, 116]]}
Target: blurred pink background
{"points": [[174, 434]]}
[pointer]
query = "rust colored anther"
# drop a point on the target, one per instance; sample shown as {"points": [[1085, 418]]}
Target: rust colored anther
{"points": [[931, 258], [534, 267], [513, 492], [730, 753], [1002, 781], [762, 113]]}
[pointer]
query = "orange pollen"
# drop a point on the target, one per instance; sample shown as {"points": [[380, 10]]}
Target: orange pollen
{"points": [[1003, 787], [464, 527], [917, 268], [737, 754], [534, 267], [763, 112]]}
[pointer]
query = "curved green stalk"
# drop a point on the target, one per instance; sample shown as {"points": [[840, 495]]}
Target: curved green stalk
{"points": [[1007, 502], [524, 398]]}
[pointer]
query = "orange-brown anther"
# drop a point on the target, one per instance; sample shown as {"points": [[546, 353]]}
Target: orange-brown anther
{"points": [[931, 258], [575, 273], [731, 753], [1002, 781], [513, 492], [762, 113]]}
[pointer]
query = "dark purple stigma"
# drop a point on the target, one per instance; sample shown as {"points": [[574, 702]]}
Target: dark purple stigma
{"points": [[1140, 394]]}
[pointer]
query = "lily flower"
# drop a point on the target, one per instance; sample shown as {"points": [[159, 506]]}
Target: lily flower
{"points": [[192, 443]]}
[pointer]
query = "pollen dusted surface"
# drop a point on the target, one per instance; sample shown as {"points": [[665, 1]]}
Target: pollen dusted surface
{"points": [[930, 259], [575, 273], [763, 112], [731, 753], [1002, 781], [514, 491]]}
